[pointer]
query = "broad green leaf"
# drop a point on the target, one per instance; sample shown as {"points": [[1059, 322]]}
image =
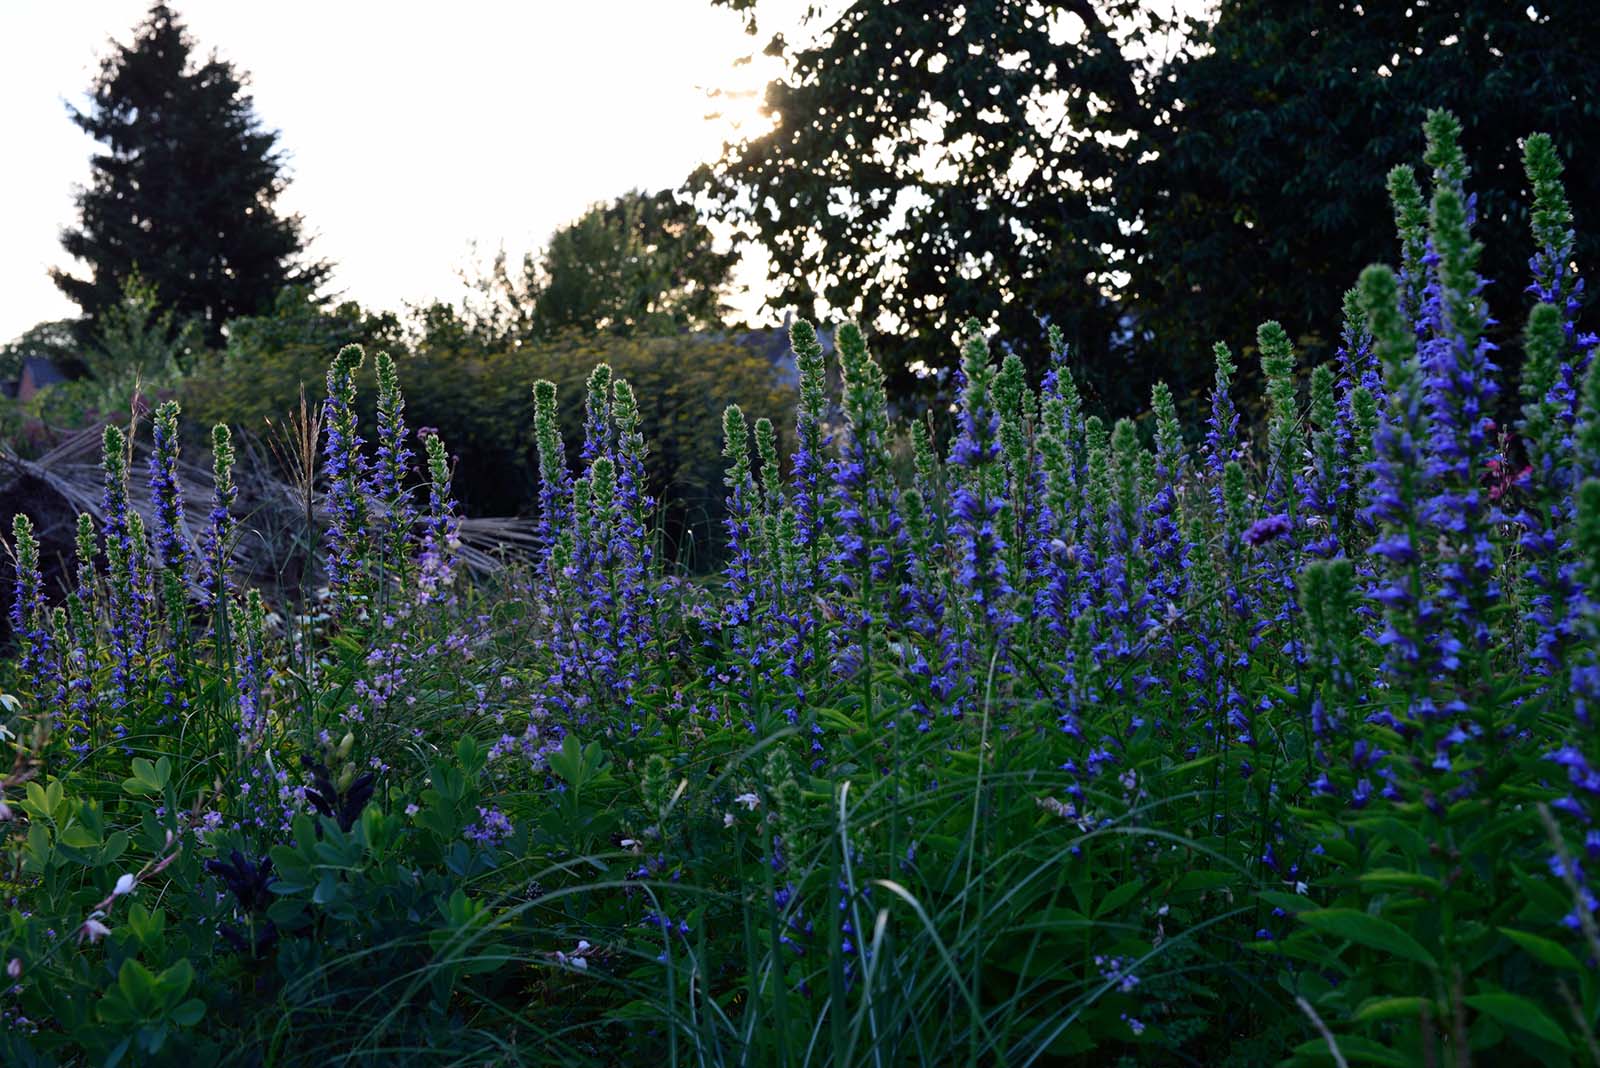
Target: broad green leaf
{"points": [[1118, 897], [1387, 878], [1544, 950], [1192, 881], [1288, 902], [1390, 1008], [1518, 1013], [1367, 930], [1354, 1049], [189, 1013]]}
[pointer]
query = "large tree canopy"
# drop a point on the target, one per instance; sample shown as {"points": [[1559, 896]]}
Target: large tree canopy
{"points": [[643, 264], [1148, 182], [932, 161], [184, 192], [1265, 196]]}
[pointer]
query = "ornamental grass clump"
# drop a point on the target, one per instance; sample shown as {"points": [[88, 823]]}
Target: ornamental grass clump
{"points": [[1018, 733]]}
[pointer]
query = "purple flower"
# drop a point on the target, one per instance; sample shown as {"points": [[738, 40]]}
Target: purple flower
{"points": [[1269, 529]]}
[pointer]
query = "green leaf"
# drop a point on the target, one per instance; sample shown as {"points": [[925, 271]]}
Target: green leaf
{"points": [[189, 1013], [1390, 1008], [1543, 950], [1402, 835], [1192, 881], [137, 985], [1510, 1010], [173, 983], [1118, 897], [1367, 930], [1287, 902], [1394, 878], [1356, 1050]]}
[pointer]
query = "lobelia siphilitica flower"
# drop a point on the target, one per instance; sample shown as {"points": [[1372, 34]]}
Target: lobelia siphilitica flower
{"points": [[173, 554], [388, 475], [347, 542], [128, 615]]}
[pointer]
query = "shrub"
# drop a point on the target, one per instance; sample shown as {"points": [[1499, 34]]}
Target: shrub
{"points": [[479, 402]]}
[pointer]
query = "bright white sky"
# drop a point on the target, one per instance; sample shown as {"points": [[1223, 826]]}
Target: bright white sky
{"points": [[412, 129]]}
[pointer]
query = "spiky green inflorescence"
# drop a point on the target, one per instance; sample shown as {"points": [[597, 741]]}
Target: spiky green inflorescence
{"points": [[866, 401], [928, 481], [1411, 221], [349, 535], [1056, 459], [655, 785], [735, 448], [1364, 415], [581, 546], [555, 490], [812, 367], [788, 800], [631, 455], [865, 491], [1235, 505], [1325, 445], [1396, 345], [389, 480], [811, 505], [547, 434], [172, 552], [1222, 358], [597, 424], [1169, 432], [1284, 445], [1071, 399], [222, 459], [770, 484], [25, 552], [438, 461], [1551, 215], [120, 547], [1171, 464], [625, 415], [770, 479], [1324, 411], [1542, 425], [1329, 597], [1127, 464], [81, 601], [742, 514], [1452, 237], [1010, 392], [1098, 478], [1586, 539], [602, 483], [1203, 587], [391, 412], [924, 462], [1587, 439], [1551, 219], [1354, 320]]}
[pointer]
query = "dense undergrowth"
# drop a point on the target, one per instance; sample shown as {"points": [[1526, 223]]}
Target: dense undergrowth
{"points": [[1052, 747]]}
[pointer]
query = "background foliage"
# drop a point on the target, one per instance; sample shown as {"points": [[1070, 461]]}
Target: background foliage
{"points": [[1130, 176]]}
